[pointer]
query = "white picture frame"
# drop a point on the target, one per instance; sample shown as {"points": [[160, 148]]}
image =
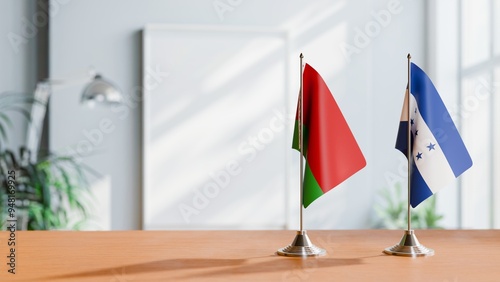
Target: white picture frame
{"points": [[208, 93]]}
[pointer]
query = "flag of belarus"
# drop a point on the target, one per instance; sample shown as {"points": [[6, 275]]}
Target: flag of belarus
{"points": [[330, 149]]}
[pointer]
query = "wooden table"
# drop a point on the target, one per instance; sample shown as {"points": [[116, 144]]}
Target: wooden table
{"points": [[356, 255]]}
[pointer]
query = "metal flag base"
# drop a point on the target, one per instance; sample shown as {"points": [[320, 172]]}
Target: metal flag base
{"points": [[409, 247], [301, 247]]}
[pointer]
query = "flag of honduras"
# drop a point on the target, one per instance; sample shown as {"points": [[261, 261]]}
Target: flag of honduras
{"points": [[438, 154]]}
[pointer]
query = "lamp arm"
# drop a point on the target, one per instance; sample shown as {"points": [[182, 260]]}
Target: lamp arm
{"points": [[66, 82], [38, 112]]}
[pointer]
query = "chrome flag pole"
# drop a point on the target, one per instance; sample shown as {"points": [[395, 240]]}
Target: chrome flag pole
{"points": [[301, 245], [409, 245], [301, 140]]}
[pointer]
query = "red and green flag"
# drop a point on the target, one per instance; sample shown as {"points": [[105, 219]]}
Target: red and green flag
{"points": [[331, 151]]}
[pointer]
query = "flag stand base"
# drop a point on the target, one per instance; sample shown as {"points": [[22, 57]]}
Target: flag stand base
{"points": [[409, 247], [301, 247]]}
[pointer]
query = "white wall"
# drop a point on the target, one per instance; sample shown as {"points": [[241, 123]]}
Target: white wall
{"points": [[369, 86], [17, 57]]}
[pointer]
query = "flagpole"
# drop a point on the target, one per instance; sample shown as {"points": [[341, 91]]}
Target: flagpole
{"points": [[409, 142], [409, 246], [301, 245], [301, 140]]}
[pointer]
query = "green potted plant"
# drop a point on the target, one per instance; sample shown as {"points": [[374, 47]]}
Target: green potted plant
{"points": [[392, 212], [49, 193], [12, 103]]}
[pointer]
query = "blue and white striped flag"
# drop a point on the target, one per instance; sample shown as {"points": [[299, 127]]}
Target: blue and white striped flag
{"points": [[438, 153]]}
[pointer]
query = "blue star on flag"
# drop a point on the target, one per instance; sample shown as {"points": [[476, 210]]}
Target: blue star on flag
{"points": [[431, 146]]}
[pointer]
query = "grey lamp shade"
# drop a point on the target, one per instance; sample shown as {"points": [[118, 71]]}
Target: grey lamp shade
{"points": [[102, 91]]}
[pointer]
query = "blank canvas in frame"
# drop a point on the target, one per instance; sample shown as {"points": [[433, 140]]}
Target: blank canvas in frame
{"points": [[214, 128]]}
